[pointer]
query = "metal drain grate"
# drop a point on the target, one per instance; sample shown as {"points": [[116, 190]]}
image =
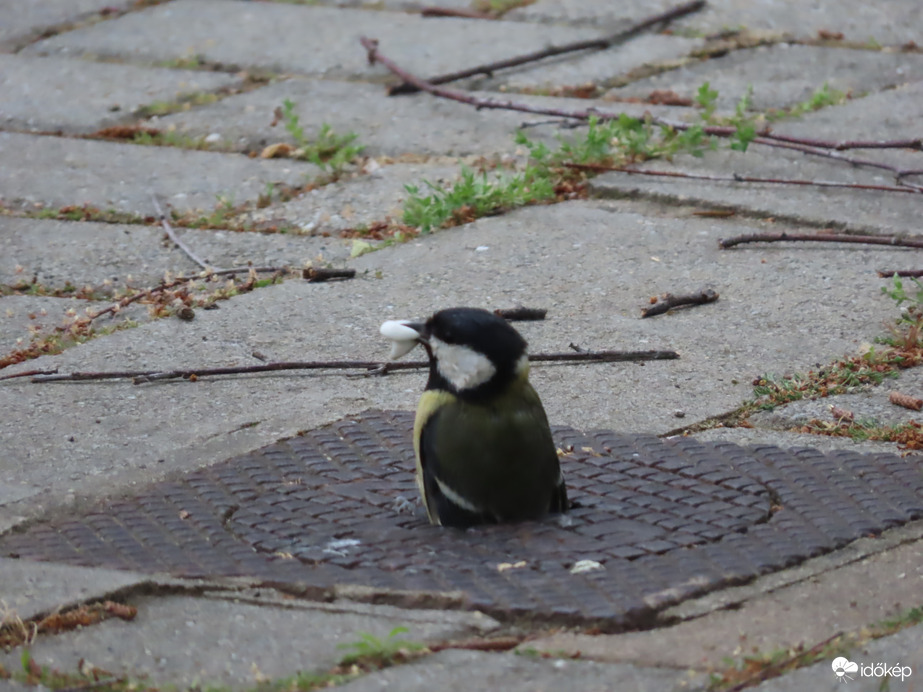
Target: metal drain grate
{"points": [[667, 519]]}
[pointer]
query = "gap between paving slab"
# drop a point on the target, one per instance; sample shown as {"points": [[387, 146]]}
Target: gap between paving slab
{"points": [[782, 75], [81, 97], [56, 171], [463, 671], [186, 640], [30, 589], [85, 253], [384, 124], [24, 22], [889, 115], [901, 649], [893, 23], [302, 38], [806, 604], [852, 210]]}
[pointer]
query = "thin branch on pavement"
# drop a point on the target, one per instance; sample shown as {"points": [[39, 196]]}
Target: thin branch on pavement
{"points": [[894, 241], [905, 273], [738, 178], [408, 87], [669, 301], [176, 239], [378, 367]]}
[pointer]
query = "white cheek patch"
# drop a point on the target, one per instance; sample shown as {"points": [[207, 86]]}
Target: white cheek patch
{"points": [[463, 367], [522, 365], [403, 338]]}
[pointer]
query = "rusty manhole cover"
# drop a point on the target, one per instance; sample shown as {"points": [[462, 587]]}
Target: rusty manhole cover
{"points": [[665, 520]]}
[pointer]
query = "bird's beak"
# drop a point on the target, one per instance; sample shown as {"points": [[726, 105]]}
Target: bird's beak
{"points": [[404, 335]]}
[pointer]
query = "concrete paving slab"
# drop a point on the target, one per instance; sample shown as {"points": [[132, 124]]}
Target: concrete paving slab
{"points": [[37, 588], [902, 650], [891, 114], [838, 600], [373, 196], [207, 641], [870, 407], [532, 256], [756, 436], [82, 253], [458, 671], [419, 125], [854, 552], [828, 208], [308, 39], [26, 21], [892, 23], [600, 13], [79, 96], [783, 74], [56, 171], [21, 316]]}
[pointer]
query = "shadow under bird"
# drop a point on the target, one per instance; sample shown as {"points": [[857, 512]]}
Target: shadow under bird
{"points": [[482, 440]]}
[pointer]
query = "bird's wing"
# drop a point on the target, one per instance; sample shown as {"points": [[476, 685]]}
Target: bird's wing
{"points": [[503, 466]]}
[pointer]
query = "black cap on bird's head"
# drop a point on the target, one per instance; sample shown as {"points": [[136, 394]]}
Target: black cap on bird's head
{"points": [[471, 351]]}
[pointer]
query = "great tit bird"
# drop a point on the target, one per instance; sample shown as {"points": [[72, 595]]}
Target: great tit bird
{"points": [[482, 441]]}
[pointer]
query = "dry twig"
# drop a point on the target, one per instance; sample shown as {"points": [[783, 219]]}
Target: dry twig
{"points": [[409, 87], [432, 11], [479, 644], [888, 273], [521, 314], [317, 274], [905, 400], [819, 237], [740, 178], [176, 239], [779, 667], [377, 367], [669, 301], [858, 144], [29, 373], [371, 46]]}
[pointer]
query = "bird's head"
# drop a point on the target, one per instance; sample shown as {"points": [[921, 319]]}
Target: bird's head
{"points": [[470, 350]]}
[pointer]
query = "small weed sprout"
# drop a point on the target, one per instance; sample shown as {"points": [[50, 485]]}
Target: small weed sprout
{"points": [[745, 124], [377, 651], [474, 196], [327, 150], [612, 142], [706, 98], [906, 332]]}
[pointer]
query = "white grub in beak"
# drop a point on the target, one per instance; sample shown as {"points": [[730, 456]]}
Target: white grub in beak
{"points": [[402, 335]]}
